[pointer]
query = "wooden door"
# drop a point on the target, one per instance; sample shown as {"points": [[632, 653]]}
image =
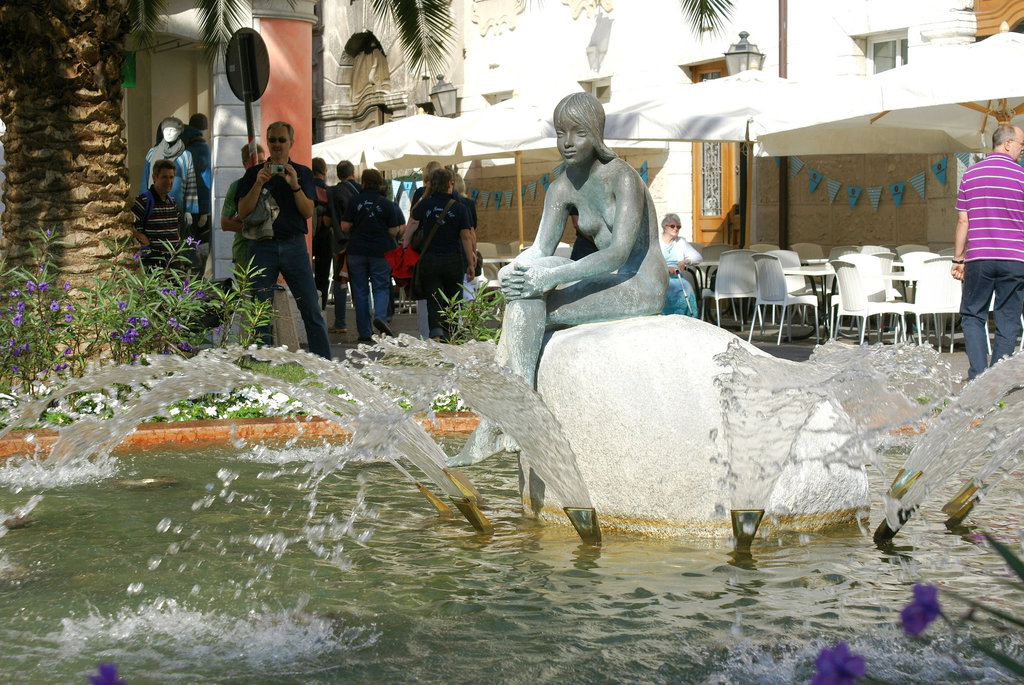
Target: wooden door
{"points": [[714, 180]]}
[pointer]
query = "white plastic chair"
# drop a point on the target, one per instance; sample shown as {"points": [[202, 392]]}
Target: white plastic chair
{"points": [[773, 291], [873, 249], [910, 247], [712, 252], [840, 251], [937, 293], [735, 279], [913, 263], [808, 251], [763, 247], [488, 250], [854, 301]]}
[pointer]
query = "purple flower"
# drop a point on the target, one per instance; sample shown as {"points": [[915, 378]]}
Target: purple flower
{"points": [[14, 293], [837, 666], [54, 306], [190, 241], [16, 319], [66, 286], [121, 304], [173, 323], [60, 367], [143, 321], [133, 320], [67, 351], [106, 675], [47, 232], [70, 307], [14, 369], [30, 287], [68, 318], [114, 334], [43, 285], [200, 294], [129, 335], [185, 347], [922, 610], [20, 306]]}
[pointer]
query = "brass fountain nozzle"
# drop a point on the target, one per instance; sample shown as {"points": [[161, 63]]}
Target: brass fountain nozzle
{"points": [[584, 520], [900, 485], [473, 514], [961, 505], [443, 510], [745, 523]]}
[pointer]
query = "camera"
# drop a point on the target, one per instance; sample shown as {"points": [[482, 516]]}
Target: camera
{"points": [[276, 168]]}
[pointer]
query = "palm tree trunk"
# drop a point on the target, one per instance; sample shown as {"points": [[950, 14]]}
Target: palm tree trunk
{"points": [[65, 153]]}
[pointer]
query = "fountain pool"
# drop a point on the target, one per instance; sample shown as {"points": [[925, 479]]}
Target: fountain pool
{"points": [[244, 572]]}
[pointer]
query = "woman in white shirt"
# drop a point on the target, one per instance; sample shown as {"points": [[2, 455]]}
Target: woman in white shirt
{"points": [[680, 297]]}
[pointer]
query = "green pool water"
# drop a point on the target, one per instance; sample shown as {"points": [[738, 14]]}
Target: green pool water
{"points": [[244, 572]]}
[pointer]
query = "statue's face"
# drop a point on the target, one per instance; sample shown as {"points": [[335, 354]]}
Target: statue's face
{"points": [[171, 133], [575, 143]]}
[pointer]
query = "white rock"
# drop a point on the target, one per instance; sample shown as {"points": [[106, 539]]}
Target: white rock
{"points": [[638, 403]]}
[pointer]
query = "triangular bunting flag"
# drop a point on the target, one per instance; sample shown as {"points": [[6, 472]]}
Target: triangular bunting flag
{"points": [[558, 169], [522, 193], [813, 179], [833, 189], [396, 190], [408, 187], [508, 198], [545, 181], [485, 198], [643, 172], [874, 194], [852, 193], [474, 194], [497, 199], [532, 187], [917, 183], [896, 190], [939, 169], [964, 158], [795, 165], [776, 162]]}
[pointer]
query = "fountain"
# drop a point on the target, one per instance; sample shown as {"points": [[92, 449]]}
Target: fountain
{"points": [[319, 562]]}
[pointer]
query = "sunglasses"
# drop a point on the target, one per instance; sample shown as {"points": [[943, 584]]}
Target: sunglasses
{"points": [[277, 140], [671, 225]]}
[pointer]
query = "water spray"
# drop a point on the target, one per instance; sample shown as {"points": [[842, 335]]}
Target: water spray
{"points": [[443, 510]]}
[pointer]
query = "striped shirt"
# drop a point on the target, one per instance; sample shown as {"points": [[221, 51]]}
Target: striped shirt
{"points": [[162, 225], [992, 194]]}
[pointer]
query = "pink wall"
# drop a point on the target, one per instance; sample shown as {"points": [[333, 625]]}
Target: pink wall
{"points": [[289, 94]]}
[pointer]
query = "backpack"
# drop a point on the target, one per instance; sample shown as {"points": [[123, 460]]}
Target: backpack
{"points": [[321, 215]]}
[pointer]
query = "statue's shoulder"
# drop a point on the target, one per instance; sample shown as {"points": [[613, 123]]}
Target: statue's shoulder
{"points": [[618, 171]]}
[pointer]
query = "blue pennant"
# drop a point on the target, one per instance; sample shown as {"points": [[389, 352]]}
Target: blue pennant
{"points": [[939, 169], [896, 190], [407, 186], [545, 181], [643, 172], [474, 194], [852, 193], [813, 179], [497, 199]]}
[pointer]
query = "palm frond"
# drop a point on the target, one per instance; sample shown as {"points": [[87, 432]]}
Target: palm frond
{"points": [[706, 16], [424, 30], [1011, 559], [144, 16], [218, 19]]}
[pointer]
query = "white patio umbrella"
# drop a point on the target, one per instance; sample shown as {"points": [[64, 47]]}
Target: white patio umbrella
{"points": [[949, 102], [415, 140]]}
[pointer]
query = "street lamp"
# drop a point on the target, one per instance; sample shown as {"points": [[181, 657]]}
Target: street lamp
{"points": [[443, 97], [742, 56]]}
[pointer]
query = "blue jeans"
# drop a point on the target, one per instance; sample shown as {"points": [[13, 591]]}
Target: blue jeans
{"points": [[982, 278], [340, 297], [363, 273], [290, 258]]}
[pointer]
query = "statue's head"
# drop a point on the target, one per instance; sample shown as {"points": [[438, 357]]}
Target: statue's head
{"points": [[583, 110], [171, 128]]}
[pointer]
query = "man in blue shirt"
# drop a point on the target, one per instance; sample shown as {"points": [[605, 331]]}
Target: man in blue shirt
{"points": [[291, 186]]}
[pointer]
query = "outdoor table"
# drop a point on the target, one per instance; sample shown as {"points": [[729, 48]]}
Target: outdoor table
{"points": [[813, 272]]}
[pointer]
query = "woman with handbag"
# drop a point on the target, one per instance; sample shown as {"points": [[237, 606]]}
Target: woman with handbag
{"points": [[371, 222], [445, 242]]}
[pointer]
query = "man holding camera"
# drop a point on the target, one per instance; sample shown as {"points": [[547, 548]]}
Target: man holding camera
{"points": [[291, 186]]}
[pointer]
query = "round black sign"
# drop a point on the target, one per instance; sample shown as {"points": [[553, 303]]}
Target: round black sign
{"points": [[248, 65]]}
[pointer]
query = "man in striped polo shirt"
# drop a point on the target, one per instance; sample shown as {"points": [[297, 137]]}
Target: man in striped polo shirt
{"points": [[156, 217], [989, 248]]}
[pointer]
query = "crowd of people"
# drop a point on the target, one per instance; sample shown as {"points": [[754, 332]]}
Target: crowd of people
{"points": [[354, 226]]}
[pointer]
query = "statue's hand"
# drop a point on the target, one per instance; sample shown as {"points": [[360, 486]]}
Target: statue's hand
{"points": [[524, 282]]}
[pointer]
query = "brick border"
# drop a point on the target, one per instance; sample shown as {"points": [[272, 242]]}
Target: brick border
{"points": [[201, 433]]}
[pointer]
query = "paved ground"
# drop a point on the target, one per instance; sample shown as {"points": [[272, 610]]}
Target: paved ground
{"points": [[798, 350]]}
